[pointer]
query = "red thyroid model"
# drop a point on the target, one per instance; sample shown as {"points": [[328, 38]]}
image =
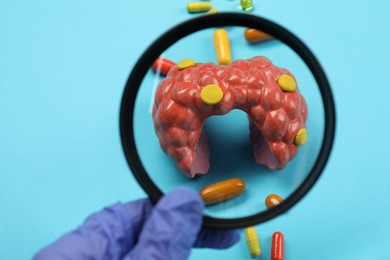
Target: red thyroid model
{"points": [[277, 112]]}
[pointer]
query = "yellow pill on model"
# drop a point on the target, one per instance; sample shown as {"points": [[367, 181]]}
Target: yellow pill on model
{"points": [[211, 94], [301, 137], [197, 7], [222, 47], [253, 241], [287, 83], [185, 64]]}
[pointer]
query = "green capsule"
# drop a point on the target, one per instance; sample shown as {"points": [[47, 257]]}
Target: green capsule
{"points": [[246, 4]]}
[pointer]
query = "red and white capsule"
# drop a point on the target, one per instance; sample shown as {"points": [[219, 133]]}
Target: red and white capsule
{"points": [[277, 249], [162, 66]]}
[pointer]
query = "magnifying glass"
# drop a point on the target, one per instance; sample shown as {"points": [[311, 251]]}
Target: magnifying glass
{"points": [[265, 119]]}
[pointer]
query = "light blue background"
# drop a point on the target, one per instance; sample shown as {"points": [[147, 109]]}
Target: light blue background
{"points": [[63, 66]]}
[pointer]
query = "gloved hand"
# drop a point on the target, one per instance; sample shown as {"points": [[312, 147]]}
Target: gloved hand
{"points": [[137, 230]]}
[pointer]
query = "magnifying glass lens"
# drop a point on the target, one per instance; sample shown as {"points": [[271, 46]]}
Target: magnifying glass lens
{"points": [[232, 113]]}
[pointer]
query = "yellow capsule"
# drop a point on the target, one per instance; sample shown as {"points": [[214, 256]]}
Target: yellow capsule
{"points": [[253, 241], [211, 94], [301, 137], [197, 7], [222, 47], [287, 83], [222, 191], [212, 11], [185, 64]]}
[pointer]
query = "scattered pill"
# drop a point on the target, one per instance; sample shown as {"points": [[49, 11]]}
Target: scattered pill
{"points": [[185, 64], [212, 11], [222, 191], [253, 241], [222, 47], [246, 4], [272, 200], [301, 137], [162, 66], [253, 35], [211, 94], [277, 248], [287, 83], [197, 7]]}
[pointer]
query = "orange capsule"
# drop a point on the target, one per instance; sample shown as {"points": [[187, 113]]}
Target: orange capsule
{"points": [[222, 47], [272, 200], [253, 35], [163, 66], [277, 249], [222, 191]]}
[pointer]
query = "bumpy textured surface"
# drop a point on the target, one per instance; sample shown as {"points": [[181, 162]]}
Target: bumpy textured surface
{"points": [[251, 85]]}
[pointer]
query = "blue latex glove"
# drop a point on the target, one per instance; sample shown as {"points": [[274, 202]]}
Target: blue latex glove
{"points": [[137, 230]]}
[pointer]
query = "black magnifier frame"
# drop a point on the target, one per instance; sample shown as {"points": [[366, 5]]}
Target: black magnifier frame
{"points": [[220, 20]]}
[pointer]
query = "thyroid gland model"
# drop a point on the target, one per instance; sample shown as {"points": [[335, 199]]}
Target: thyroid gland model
{"points": [[192, 92]]}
